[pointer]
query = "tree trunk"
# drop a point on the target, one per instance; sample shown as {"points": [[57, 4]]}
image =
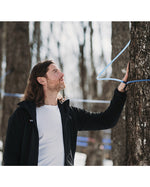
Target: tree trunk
{"points": [[138, 101], [18, 63], [93, 87], [120, 37], [94, 156], [82, 67], [1, 34], [83, 82], [60, 63], [37, 39], [36, 43], [3, 63]]}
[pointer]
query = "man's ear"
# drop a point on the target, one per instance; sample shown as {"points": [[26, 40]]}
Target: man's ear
{"points": [[41, 80]]}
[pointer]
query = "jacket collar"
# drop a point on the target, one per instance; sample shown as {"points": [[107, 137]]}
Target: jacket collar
{"points": [[64, 104]]}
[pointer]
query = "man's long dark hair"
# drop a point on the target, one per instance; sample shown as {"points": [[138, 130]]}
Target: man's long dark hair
{"points": [[34, 90]]}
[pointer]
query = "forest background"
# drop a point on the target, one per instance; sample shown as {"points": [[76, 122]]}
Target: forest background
{"points": [[82, 50], [69, 11]]}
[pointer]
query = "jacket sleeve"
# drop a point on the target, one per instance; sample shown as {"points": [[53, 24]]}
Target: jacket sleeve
{"points": [[12, 147], [99, 121]]}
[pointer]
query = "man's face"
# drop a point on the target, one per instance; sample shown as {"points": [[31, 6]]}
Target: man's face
{"points": [[54, 78]]}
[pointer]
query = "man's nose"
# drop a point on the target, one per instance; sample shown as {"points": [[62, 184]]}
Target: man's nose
{"points": [[62, 74]]}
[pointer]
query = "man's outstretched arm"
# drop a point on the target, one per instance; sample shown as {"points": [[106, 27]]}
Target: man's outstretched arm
{"points": [[107, 119]]}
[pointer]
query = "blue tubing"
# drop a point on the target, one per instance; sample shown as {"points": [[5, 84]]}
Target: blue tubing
{"points": [[98, 77], [119, 80]]}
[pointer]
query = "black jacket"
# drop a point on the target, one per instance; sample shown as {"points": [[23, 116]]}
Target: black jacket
{"points": [[22, 140]]}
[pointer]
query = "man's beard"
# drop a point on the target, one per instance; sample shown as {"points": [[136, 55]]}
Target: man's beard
{"points": [[60, 87]]}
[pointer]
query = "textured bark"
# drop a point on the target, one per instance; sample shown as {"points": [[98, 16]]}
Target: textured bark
{"points": [[1, 33], [3, 60], [19, 62], [138, 102], [120, 37]]}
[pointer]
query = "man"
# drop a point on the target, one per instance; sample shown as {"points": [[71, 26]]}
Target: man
{"points": [[43, 129]]}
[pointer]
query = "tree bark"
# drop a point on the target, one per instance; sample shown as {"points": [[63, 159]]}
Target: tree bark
{"points": [[120, 37], [1, 34], [138, 101], [18, 63], [3, 61]]}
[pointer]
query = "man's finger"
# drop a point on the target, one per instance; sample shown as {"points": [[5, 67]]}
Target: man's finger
{"points": [[127, 73]]}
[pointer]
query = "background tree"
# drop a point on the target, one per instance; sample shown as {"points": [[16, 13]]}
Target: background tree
{"points": [[1, 33], [37, 40], [94, 156], [2, 65], [83, 79], [120, 37], [18, 64], [82, 65], [60, 62], [138, 100]]}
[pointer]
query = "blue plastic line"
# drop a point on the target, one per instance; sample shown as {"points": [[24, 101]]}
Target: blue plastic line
{"points": [[119, 80], [142, 80], [104, 140], [111, 79], [107, 147], [89, 101], [82, 138], [13, 95], [82, 144], [98, 77]]}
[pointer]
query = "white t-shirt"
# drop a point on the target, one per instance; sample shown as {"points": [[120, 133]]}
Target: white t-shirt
{"points": [[51, 147]]}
